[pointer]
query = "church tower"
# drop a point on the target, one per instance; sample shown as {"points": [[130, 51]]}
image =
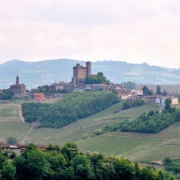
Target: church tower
{"points": [[17, 80]]}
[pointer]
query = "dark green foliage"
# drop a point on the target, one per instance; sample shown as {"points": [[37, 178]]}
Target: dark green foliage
{"points": [[70, 108], [146, 91], [12, 140], [130, 85], [126, 104], [98, 79], [12, 155], [2, 160], [164, 93], [168, 102], [32, 111], [8, 171], [6, 95], [167, 160], [46, 90], [158, 90], [36, 164], [134, 103], [152, 122], [171, 165]]}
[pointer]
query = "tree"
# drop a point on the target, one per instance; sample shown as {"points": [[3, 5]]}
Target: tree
{"points": [[2, 160], [6, 95], [168, 102], [164, 93], [82, 168], [130, 85], [98, 79], [8, 171], [126, 104], [21, 167], [38, 166], [146, 91], [158, 90], [12, 140], [148, 173], [167, 160], [123, 169], [97, 132]]}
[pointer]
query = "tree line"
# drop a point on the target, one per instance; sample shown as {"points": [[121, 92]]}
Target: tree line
{"points": [[132, 103], [70, 108], [6, 95], [172, 165], [62, 163], [151, 122]]}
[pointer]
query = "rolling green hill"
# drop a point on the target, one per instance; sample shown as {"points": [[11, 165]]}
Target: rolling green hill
{"points": [[134, 146], [34, 74]]}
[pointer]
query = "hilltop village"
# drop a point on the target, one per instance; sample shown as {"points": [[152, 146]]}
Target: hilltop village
{"points": [[84, 80], [73, 118]]}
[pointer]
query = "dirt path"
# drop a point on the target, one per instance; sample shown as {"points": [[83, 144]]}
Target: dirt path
{"points": [[19, 106], [34, 125], [20, 113]]}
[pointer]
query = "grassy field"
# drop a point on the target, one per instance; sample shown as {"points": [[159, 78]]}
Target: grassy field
{"points": [[9, 113], [135, 146], [13, 129]]}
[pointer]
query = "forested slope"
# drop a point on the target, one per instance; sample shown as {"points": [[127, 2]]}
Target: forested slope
{"points": [[70, 108]]}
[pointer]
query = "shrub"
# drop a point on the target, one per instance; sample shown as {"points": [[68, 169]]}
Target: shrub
{"points": [[85, 135], [97, 132]]}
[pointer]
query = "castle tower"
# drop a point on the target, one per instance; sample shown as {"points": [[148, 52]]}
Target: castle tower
{"points": [[17, 80], [88, 67]]}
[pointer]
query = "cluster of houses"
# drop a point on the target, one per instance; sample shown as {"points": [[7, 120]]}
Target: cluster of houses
{"points": [[121, 90], [77, 84]]}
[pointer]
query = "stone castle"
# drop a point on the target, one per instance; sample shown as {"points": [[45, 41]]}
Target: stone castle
{"points": [[80, 73]]}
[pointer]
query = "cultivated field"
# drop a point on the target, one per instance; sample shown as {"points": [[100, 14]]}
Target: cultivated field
{"points": [[135, 146], [9, 113]]}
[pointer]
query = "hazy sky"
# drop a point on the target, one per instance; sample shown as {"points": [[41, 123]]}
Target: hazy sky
{"points": [[126, 30]]}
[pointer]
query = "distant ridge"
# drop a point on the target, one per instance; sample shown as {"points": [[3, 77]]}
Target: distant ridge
{"points": [[38, 73]]}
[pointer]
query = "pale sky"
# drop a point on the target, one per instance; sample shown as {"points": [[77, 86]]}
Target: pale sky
{"points": [[135, 31]]}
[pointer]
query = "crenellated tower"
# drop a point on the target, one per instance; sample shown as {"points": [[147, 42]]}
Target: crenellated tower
{"points": [[88, 67]]}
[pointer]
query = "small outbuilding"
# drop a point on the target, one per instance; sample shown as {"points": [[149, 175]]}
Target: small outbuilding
{"points": [[39, 96]]}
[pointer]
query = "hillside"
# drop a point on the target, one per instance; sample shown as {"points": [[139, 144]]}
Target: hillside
{"points": [[135, 146], [34, 74]]}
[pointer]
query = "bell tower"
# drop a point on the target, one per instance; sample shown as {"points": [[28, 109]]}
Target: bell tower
{"points": [[17, 80]]}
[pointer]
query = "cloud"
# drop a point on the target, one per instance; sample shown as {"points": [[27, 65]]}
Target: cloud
{"points": [[132, 30]]}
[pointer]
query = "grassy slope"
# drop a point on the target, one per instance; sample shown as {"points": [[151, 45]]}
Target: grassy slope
{"points": [[9, 113], [135, 146], [122, 144], [10, 123]]}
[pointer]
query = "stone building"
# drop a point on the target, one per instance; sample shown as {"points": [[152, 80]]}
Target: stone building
{"points": [[18, 88], [80, 73]]}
